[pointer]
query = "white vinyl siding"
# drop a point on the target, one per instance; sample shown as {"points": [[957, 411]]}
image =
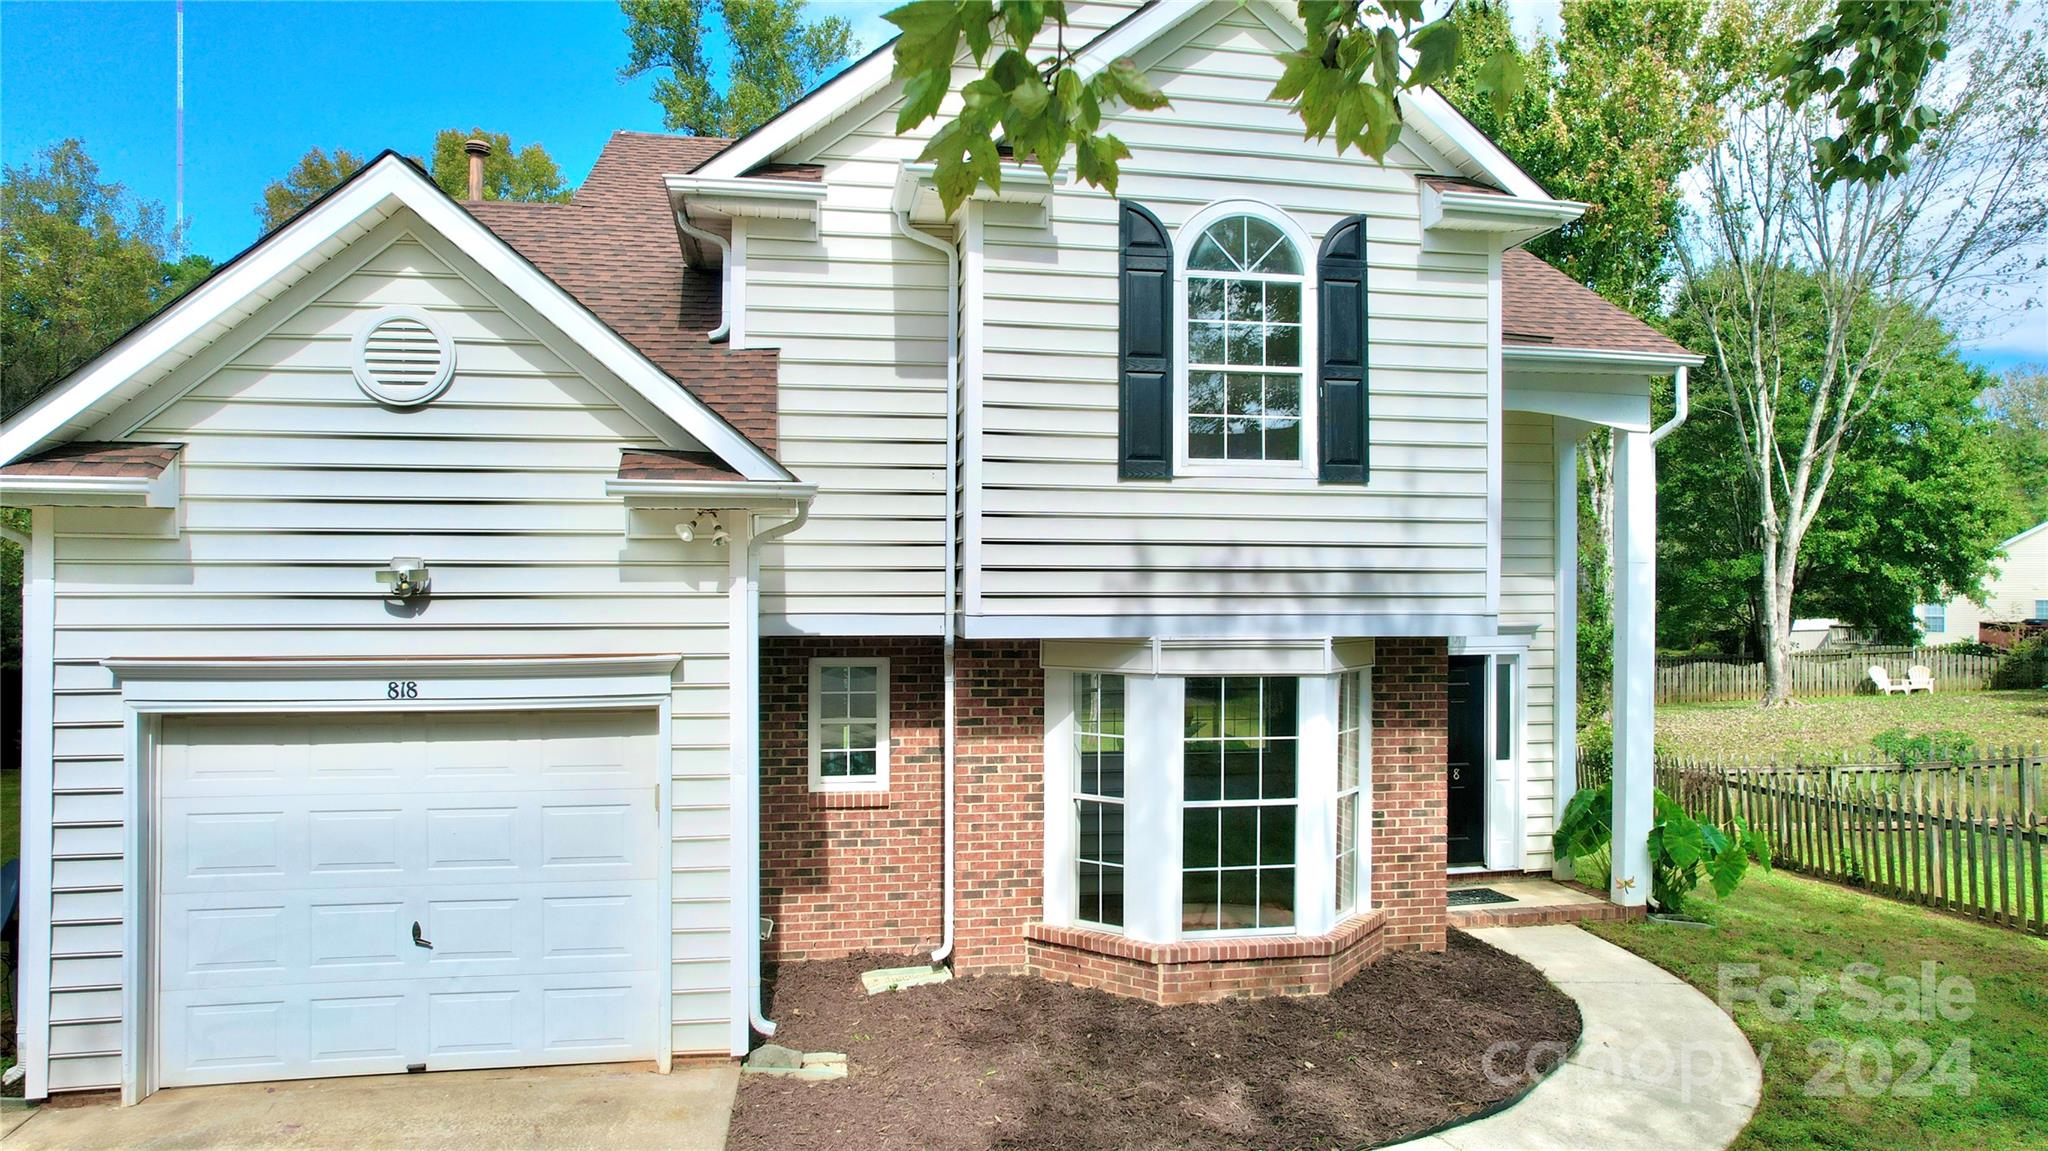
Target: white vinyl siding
{"points": [[857, 314], [296, 489], [1528, 598], [1059, 534]]}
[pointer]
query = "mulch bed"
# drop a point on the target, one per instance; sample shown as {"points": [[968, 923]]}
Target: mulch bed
{"points": [[1020, 1062]]}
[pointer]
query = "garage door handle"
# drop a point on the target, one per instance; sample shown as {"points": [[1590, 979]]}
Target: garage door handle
{"points": [[416, 940]]}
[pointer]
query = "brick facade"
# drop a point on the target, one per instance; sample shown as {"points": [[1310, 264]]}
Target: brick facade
{"points": [[851, 872], [999, 802], [1410, 748]]}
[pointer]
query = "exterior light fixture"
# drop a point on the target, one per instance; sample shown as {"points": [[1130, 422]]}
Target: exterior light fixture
{"points": [[406, 576]]}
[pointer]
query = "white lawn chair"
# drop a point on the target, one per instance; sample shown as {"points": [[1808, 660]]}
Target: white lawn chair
{"points": [[1882, 680], [1919, 678]]}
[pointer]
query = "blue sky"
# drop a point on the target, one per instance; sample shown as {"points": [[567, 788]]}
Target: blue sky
{"points": [[264, 82]]}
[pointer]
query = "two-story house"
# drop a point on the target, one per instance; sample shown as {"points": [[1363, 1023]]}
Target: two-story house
{"points": [[468, 634]]}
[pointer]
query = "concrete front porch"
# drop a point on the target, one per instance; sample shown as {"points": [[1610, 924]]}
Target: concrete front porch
{"points": [[1535, 901], [604, 1105]]}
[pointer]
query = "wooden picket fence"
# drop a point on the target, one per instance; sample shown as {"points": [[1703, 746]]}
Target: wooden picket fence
{"points": [[1969, 837], [1704, 679]]}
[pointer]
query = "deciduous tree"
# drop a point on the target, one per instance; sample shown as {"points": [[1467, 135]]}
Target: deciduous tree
{"points": [[1776, 236], [776, 53], [527, 174], [312, 177]]}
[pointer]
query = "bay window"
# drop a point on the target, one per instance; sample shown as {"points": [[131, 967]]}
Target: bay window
{"points": [[1209, 794]]}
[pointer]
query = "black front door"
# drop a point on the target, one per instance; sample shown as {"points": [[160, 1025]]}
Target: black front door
{"points": [[1465, 819]]}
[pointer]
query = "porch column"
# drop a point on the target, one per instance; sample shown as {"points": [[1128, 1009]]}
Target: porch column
{"points": [[1635, 655], [1565, 635]]}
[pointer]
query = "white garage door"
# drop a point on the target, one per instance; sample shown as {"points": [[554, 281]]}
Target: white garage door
{"points": [[351, 895]]}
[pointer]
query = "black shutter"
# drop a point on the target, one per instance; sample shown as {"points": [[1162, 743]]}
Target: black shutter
{"points": [[1144, 347], [1344, 409]]}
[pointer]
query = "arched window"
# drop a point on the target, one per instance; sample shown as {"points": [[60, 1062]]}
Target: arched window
{"points": [[1245, 311]]}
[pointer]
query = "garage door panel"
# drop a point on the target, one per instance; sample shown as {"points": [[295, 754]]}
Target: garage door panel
{"points": [[297, 856]]}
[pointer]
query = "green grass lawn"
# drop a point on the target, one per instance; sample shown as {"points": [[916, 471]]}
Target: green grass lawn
{"points": [[1803, 929], [1830, 726]]}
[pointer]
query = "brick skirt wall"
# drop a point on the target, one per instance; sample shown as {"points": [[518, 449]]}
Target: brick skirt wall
{"points": [[1207, 970]]}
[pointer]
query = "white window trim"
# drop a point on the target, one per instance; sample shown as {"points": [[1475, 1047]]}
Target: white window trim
{"points": [[880, 780], [1184, 239], [1075, 795]]}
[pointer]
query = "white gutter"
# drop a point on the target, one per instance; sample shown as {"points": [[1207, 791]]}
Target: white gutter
{"points": [[745, 598], [1682, 393], [724, 328], [901, 214]]}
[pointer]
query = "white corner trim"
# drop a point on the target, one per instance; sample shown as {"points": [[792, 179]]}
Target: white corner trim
{"points": [[388, 181], [37, 703]]}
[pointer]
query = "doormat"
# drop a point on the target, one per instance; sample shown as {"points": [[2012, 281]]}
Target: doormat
{"points": [[1477, 897]]}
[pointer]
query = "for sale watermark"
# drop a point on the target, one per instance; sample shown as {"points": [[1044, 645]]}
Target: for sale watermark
{"points": [[1909, 1066], [1718, 1065]]}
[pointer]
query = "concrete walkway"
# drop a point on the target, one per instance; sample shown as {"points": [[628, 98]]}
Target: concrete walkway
{"points": [[602, 1106], [1659, 1064]]}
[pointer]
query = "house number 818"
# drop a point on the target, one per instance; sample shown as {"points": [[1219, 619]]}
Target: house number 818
{"points": [[402, 689]]}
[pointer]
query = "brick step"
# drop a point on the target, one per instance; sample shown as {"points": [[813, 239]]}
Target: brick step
{"points": [[1536, 915]]}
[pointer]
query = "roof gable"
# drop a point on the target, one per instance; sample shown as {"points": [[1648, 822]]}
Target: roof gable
{"points": [[1428, 113], [148, 353]]}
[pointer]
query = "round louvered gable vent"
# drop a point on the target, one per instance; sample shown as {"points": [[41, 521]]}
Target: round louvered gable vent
{"points": [[403, 358]]}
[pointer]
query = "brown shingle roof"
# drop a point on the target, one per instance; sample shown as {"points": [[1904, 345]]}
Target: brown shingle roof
{"points": [[1542, 307], [651, 464], [615, 249], [85, 458]]}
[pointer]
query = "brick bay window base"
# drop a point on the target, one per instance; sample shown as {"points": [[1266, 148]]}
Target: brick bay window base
{"points": [[1208, 970]]}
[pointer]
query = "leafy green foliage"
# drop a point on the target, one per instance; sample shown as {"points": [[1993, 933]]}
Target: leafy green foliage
{"points": [[1922, 493], [312, 177], [1612, 114], [526, 174], [1684, 852], [777, 54], [1042, 107], [1926, 747], [1029, 87], [2019, 404], [81, 262], [1869, 60]]}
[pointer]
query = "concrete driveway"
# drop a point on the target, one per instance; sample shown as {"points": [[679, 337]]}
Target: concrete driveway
{"points": [[621, 1105]]}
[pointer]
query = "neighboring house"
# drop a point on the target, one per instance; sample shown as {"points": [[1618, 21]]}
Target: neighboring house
{"points": [[443, 652], [2016, 591]]}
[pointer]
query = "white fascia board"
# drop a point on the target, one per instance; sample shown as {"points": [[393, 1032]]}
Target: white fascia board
{"points": [[712, 494], [2032, 531], [1212, 627], [1425, 108], [158, 491], [1515, 221], [388, 180], [806, 116], [917, 194], [753, 198], [1602, 358]]}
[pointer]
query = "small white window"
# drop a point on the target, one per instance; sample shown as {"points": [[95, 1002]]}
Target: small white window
{"points": [[1933, 618], [849, 725], [1350, 758]]}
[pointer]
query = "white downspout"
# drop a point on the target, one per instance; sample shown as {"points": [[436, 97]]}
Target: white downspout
{"points": [[952, 257], [1681, 394], [746, 740], [724, 328]]}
